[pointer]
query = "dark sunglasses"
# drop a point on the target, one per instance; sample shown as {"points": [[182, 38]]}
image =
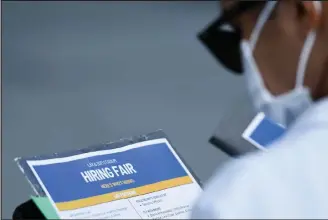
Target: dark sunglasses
{"points": [[223, 43]]}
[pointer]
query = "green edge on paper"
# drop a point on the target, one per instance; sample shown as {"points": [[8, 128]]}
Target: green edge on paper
{"points": [[45, 206]]}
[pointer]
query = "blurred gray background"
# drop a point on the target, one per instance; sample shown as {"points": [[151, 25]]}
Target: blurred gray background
{"points": [[80, 73]]}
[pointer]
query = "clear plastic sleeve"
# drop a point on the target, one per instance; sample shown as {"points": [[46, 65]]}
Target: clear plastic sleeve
{"points": [[25, 168]]}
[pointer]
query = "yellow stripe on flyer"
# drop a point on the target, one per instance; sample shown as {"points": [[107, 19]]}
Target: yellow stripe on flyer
{"points": [[80, 203]]}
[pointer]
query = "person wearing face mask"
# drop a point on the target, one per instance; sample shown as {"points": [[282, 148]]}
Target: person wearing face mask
{"points": [[281, 48]]}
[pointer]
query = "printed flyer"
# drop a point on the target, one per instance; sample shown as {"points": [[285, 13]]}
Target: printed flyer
{"points": [[144, 180]]}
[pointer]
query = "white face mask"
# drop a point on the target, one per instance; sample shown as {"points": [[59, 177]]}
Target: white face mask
{"points": [[285, 108]]}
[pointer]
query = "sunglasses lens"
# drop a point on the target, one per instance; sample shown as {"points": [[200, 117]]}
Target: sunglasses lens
{"points": [[224, 46]]}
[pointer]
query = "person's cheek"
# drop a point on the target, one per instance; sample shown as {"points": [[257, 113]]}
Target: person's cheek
{"points": [[276, 61]]}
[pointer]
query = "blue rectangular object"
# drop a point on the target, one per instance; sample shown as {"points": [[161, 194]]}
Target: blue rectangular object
{"points": [[262, 131]]}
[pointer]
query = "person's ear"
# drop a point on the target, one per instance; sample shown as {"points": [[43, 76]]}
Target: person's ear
{"points": [[313, 9]]}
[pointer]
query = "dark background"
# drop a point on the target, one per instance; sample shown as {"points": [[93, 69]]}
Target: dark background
{"points": [[80, 73]]}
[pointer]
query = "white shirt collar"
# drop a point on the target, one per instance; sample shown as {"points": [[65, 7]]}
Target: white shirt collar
{"points": [[317, 114]]}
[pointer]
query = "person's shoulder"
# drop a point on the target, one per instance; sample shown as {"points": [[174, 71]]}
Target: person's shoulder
{"points": [[228, 187], [242, 186], [265, 178], [262, 183]]}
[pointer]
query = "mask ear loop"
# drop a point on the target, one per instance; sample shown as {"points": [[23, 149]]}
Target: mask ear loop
{"points": [[248, 47], [262, 19], [306, 51]]}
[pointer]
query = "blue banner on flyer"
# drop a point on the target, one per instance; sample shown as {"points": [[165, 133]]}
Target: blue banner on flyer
{"points": [[104, 174]]}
